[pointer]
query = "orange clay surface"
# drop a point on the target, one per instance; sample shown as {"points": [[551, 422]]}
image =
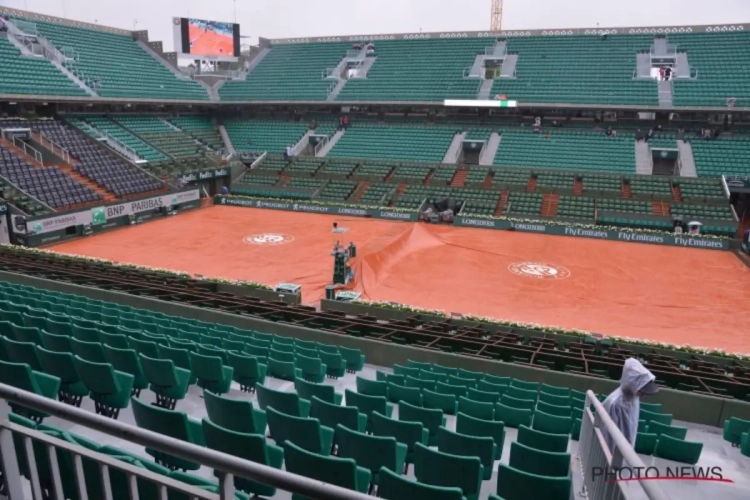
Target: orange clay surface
{"points": [[209, 43], [668, 294]]}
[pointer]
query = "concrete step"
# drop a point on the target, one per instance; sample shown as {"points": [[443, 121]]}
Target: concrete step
{"points": [[484, 89], [331, 143], [459, 179], [454, 150], [487, 156], [644, 162], [508, 69], [687, 160]]}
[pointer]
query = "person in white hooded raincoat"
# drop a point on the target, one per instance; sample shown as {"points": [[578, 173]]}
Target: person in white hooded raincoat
{"points": [[623, 404]]}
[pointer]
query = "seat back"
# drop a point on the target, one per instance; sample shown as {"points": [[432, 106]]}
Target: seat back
{"points": [[407, 371], [284, 402], [333, 470], [554, 390], [518, 393], [471, 426], [513, 483], [370, 387], [90, 351], [331, 415], [555, 399], [58, 364], [521, 404], [368, 451], [18, 375], [486, 386], [308, 390], [399, 393], [179, 356], [287, 357], [455, 443], [485, 411], [57, 343], [443, 469], [171, 423], [550, 423], [22, 352], [245, 445], [304, 432], [542, 463], [147, 347], [456, 390], [232, 414], [649, 417], [512, 417], [674, 431], [409, 433], [544, 441], [483, 396], [124, 360], [207, 367], [558, 411], [366, 404], [431, 419], [526, 386], [99, 378], [244, 366], [159, 372], [394, 485], [678, 450]]}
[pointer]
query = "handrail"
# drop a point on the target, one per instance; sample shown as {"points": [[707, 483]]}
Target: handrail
{"points": [[593, 446], [56, 149], [25, 148], [258, 160], [121, 147], [26, 193], [725, 186], [320, 145], [232, 466]]}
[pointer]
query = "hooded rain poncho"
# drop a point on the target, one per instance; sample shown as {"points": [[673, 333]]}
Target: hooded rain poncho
{"points": [[623, 405]]}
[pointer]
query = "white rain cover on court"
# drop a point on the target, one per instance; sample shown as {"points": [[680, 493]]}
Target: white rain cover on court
{"points": [[623, 405]]}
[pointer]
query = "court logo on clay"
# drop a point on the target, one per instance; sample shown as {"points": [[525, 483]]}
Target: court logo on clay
{"points": [[268, 239], [539, 270]]}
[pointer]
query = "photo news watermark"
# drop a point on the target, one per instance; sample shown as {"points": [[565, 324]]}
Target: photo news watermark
{"points": [[682, 473]]}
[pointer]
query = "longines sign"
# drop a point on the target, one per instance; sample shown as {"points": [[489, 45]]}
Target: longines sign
{"points": [[638, 30]]}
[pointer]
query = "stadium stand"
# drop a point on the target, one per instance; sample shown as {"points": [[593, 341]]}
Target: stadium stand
{"points": [[396, 142], [114, 174], [161, 135], [722, 156], [98, 126], [32, 76], [201, 128], [721, 63], [47, 184], [263, 135], [578, 69], [116, 65], [293, 72], [417, 70]]}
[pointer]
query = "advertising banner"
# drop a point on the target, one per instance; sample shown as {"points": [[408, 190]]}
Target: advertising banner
{"points": [[383, 213], [602, 234], [204, 175]]}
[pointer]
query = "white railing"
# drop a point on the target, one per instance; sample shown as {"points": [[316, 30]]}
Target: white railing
{"points": [[28, 150], [599, 463], [56, 149], [229, 465], [319, 146], [122, 148], [724, 186], [258, 160], [25, 193]]}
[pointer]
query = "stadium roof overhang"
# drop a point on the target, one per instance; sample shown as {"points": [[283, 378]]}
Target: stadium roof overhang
{"points": [[86, 101]]}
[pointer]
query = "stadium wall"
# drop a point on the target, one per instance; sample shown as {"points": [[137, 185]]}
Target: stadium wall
{"points": [[683, 405], [53, 228]]}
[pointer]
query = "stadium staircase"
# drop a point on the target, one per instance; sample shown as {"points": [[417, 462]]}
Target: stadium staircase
{"points": [[360, 190], [644, 162], [454, 150], [228, 145], [459, 179], [501, 204], [550, 202], [487, 157], [577, 186], [665, 94], [686, 158], [335, 138]]}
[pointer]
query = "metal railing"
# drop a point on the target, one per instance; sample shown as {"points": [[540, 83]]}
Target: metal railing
{"points": [[319, 145], [56, 149], [598, 461], [122, 148], [28, 150], [259, 160], [231, 466], [725, 187]]}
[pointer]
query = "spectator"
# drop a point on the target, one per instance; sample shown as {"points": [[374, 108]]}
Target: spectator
{"points": [[650, 135], [668, 73], [661, 74], [638, 135], [623, 404], [345, 122], [224, 190], [537, 124]]}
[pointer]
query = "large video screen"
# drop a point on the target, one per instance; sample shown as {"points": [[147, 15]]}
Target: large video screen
{"points": [[209, 38]]}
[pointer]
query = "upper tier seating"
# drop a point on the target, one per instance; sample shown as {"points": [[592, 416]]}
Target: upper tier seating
{"points": [[105, 125], [418, 70], [292, 72], [47, 184], [157, 132], [723, 156], [116, 175], [121, 66], [264, 134], [200, 127], [32, 75], [426, 143], [722, 62], [580, 69], [571, 150]]}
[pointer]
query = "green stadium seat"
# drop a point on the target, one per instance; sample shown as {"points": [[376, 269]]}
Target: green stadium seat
{"points": [[305, 432], [394, 486], [370, 452], [429, 418], [553, 390], [110, 389], [368, 405], [127, 361], [284, 370], [443, 469], [237, 415], [733, 429], [545, 441], [471, 426], [342, 472], [655, 417], [483, 396], [455, 390], [555, 400], [408, 433], [331, 415], [90, 351], [670, 430], [678, 450], [402, 394], [247, 446], [519, 393], [308, 390], [56, 343], [174, 424], [62, 366], [476, 409], [491, 387], [22, 352], [312, 369], [513, 417], [354, 358], [552, 424], [23, 377], [335, 364], [248, 370], [284, 402], [543, 463], [645, 443], [169, 383], [513, 484], [370, 387], [447, 403], [559, 411], [454, 443]]}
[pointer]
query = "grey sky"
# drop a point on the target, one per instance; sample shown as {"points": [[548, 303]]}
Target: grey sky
{"points": [[302, 18]]}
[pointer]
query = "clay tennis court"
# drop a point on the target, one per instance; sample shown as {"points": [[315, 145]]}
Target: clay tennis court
{"points": [[669, 294], [210, 43]]}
